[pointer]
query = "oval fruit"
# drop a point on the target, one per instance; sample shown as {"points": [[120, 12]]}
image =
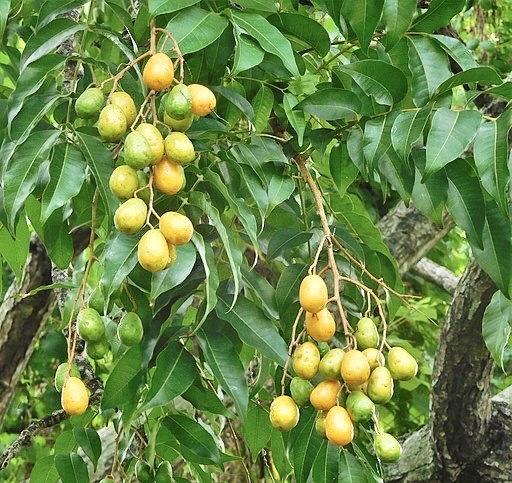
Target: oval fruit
{"points": [[313, 294], [163, 472], [176, 228], [125, 102], [179, 125], [320, 326], [153, 252], [367, 335], [330, 365], [137, 152], [89, 103], [60, 374], [158, 72], [168, 176], [306, 360], [96, 301], [143, 182], [74, 398], [355, 368], [178, 104], [123, 182], [387, 448], [359, 407], [380, 386], [154, 139], [97, 350], [203, 99], [111, 123], [325, 395], [320, 423], [338, 426], [375, 358], [179, 148], [130, 217], [402, 365], [130, 330], [144, 472], [172, 255], [300, 389], [284, 413], [90, 325]]}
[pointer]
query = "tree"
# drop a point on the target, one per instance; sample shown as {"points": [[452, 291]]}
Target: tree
{"points": [[348, 139]]}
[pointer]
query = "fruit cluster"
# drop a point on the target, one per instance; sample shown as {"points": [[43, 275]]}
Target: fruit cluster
{"points": [[348, 383]]}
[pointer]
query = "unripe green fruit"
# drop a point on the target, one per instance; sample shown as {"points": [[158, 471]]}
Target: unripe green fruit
{"points": [[154, 139], [97, 350], [90, 325], [89, 104], [179, 148], [367, 335], [178, 103], [360, 407], [300, 390], [143, 179], [130, 217], [130, 330], [163, 472], [380, 386], [96, 301], [330, 364], [179, 125], [387, 448], [123, 182], [137, 151], [143, 472], [320, 423], [111, 123]]}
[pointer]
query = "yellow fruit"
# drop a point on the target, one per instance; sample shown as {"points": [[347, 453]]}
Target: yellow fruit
{"points": [[154, 139], [168, 176], [306, 360], [313, 294], [61, 374], [355, 368], [367, 335], [339, 428], [284, 413], [111, 123], [158, 72], [320, 326], [123, 182], [176, 228], [402, 365], [153, 251], [325, 395], [203, 99], [380, 386], [172, 255], [130, 217], [74, 397], [179, 148], [375, 358], [125, 102]]}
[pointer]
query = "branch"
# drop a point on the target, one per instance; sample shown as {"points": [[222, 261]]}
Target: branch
{"points": [[437, 274]]}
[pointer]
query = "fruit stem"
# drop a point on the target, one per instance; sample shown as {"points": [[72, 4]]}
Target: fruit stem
{"points": [[176, 48], [376, 424], [312, 268], [121, 73], [290, 349]]}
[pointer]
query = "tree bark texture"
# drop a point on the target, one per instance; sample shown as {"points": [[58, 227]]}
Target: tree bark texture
{"points": [[437, 274]]}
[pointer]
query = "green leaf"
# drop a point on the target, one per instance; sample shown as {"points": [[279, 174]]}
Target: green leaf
{"points": [[44, 471], [257, 429], [482, 75], [57, 240], [377, 138], [380, 80], [71, 468], [195, 28], [240, 102], [205, 399], [262, 104], [285, 238], [325, 467], [269, 37], [248, 53], [125, 380], [67, 173], [168, 279], [438, 14], [457, 51], [449, 136], [287, 289], [396, 18], [260, 5], [90, 442], [496, 326], [306, 446], [15, 250], [280, 453], [363, 17], [225, 364], [349, 469], [22, 171], [398, 173], [253, 327], [332, 104], [296, 118], [5, 6], [343, 171], [160, 7], [53, 8], [279, 190], [261, 289]]}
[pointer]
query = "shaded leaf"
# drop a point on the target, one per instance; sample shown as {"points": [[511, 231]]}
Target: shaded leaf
{"points": [[15, 250], [438, 14], [240, 102], [363, 17], [396, 17], [350, 470], [71, 468], [343, 171], [44, 470], [287, 289], [496, 326], [90, 442], [483, 75], [248, 53], [53, 8], [296, 118], [159, 7], [285, 238], [325, 467], [262, 103], [332, 104], [257, 429], [279, 190], [306, 446], [377, 138]]}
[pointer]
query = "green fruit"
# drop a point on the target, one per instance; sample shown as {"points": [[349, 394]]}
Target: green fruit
{"points": [[60, 374], [380, 386], [300, 390], [90, 325], [161, 106], [111, 123], [130, 330], [360, 407], [137, 151], [163, 472], [179, 148], [123, 182], [387, 448], [402, 365], [330, 364], [125, 102], [178, 103], [143, 179], [143, 472], [89, 103], [96, 301], [154, 139], [130, 217], [179, 125], [487, 45], [97, 350], [473, 43], [367, 335], [320, 423]]}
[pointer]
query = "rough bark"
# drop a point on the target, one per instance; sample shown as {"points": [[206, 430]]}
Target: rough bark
{"points": [[437, 274]]}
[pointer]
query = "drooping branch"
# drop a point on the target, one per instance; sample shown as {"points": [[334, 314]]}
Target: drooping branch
{"points": [[437, 274]]}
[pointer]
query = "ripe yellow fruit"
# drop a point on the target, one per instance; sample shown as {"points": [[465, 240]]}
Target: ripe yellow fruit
{"points": [[355, 368], [306, 360], [130, 217], [125, 102], [158, 72], [123, 182], [153, 251], [111, 123], [154, 139], [375, 358], [313, 294], [284, 413], [74, 397], [176, 228], [320, 326], [168, 176], [325, 395], [339, 428], [203, 99]]}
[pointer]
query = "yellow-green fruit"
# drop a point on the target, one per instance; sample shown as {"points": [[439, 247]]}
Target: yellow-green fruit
{"points": [[179, 148], [97, 350], [360, 407], [284, 413], [154, 139], [325, 395], [179, 125], [60, 374], [125, 102], [74, 398], [380, 386], [313, 294], [375, 358], [402, 365], [90, 325], [306, 360], [89, 103], [203, 99], [123, 182], [153, 251], [387, 448], [137, 152], [320, 423], [355, 368], [130, 330], [300, 389], [130, 217], [178, 104], [176, 228], [111, 123], [320, 326], [367, 335], [143, 179], [330, 365]]}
